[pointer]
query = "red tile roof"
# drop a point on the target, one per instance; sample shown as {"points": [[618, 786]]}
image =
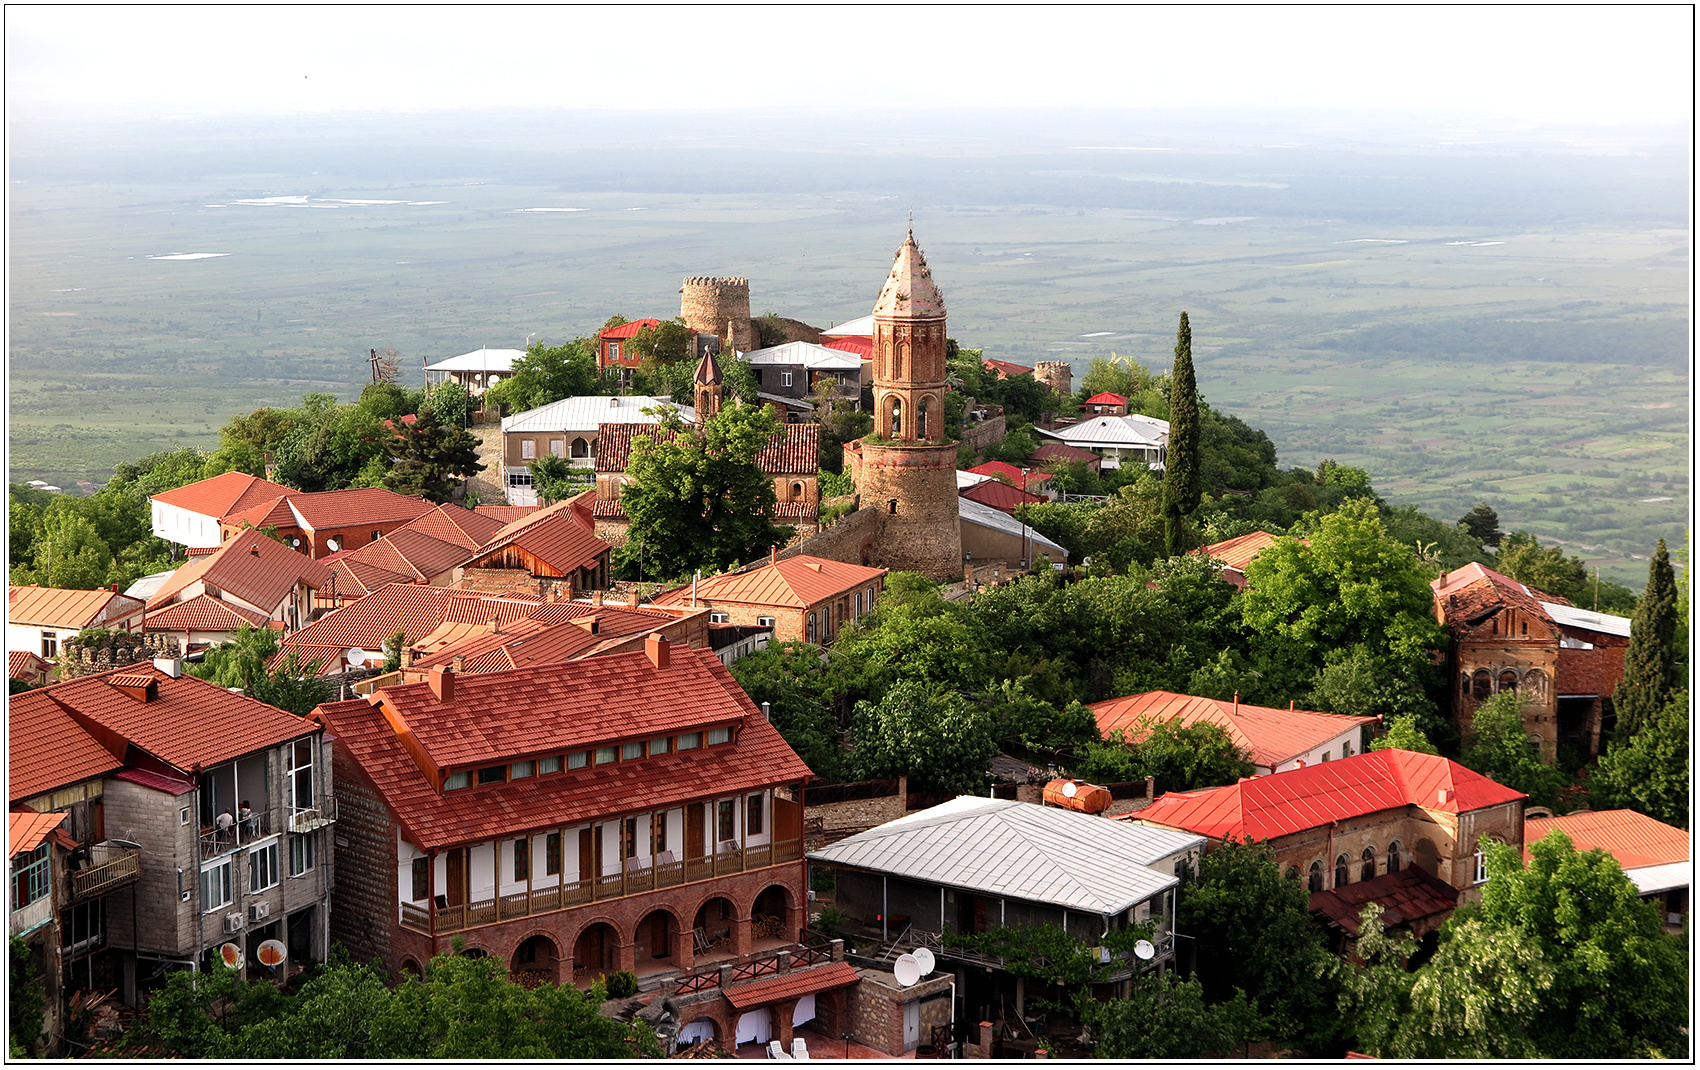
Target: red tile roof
{"points": [[58, 607], [1005, 368], [551, 709], [1466, 596], [190, 723], [414, 609], [460, 525], [1634, 839], [251, 566], [1238, 551], [325, 509], [1062, 451], [999, 495], [794, 582], [505, 514], [26, 830], [1105, 398], [26, 665], [203, 613], [627, 330], [1271, 734], [1406, 896], [1269, 806], [222, 495], [794, 449], [1010, 473], [555, 632], [561, 536], [783, 986]]}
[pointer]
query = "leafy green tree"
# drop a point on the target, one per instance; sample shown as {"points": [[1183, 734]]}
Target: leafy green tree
{"points": [[1403, 733], [451, 403], [942, 742], [1550, 569], [697, 498], [244, 661], [1167, 1018], [68, 552], [329, 446], [792, 678], [666, 342], [1186, 757], [1116, 375], [431, 458], [1482, 524], [1183, 478], [1649, 771], [393, 647], [1359, 684], [1649, 665], [388, 400], [26, 1004], [555, 480], [548, 373], [1502, 752]]}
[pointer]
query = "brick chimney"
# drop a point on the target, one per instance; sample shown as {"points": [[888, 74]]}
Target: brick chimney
{"points": [[595, 598], [442, 681], [495, 625], [460, 663], [657, 648]]}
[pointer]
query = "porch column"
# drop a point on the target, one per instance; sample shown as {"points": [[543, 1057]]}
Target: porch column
{"points": [[741, 936], [684, 946], [782, 1014], [625, 956]]}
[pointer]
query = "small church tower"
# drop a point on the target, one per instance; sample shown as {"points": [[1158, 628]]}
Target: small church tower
{"points": [[907, 467], [710, 387]]}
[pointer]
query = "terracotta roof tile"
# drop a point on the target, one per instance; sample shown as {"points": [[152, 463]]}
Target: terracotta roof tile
{"points": [[26, 664], [802, 982], [223, 494], [1272, 735], [26, 830], [795, 582], [319, 510], [203, 613], [459, 525], [1269, 806], [506, 514], [414, 609], [562, 536], [556, 632], [794, 450], [1469, 595], [1634, 839], [55, 606], [252, 566]]}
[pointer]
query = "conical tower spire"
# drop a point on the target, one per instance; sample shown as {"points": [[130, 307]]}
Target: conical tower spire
{"points": [[709, 391], [909, 291]]}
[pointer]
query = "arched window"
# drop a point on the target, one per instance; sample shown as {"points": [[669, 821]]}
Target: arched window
{"points": [[1369, 863], [1393, 857], [1535, 684], [924, 425], [1316, 876], [796, 492], [1481, 685], [1342, 871], [1292, 873], [1508, 680], [581, 448], [811, 627], [1464, 685], [896, 417]]}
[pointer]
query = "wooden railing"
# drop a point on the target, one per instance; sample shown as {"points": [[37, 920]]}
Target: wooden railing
{"points": [[451, 918], [113, 869]]}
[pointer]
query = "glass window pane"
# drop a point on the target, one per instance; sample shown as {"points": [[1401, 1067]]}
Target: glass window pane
{"points": [[519, 770], [628, 751], [578, 759], [549, 765], [660, 746], [604, 755], [690, 741]]}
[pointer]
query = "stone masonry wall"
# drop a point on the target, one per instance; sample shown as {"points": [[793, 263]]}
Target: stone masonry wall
{"points": [[985, 434], [915, 487], [707, 304], [364, 901]]}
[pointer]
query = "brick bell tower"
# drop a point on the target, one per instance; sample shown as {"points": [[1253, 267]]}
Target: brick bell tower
{"points": [[907, 467]]}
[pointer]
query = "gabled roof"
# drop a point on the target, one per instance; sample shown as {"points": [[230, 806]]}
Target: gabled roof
{"points": [[1465, 597], [555, 632], [61, 608], [1634, 839], [627, 330], [26, 830], [223, 494], [561, 536], [1105, 398], [1282, 803], [412, 608], [793, 582], [807, 354], [24, 664], [319, 510], [1000, 496], [1043, 854], [252, 566], [790, 985], [860, 327], [863, 348], [970, 511], [1005, 368], [495, 360], [1406, 896], [203, 613], [793, 450], [552, 709], [79, 729], [1059, 451], [458, 524], [1270, 734], [1237, 552], [909, 291], [1011, 473], [1124, 431], [586, 414]]}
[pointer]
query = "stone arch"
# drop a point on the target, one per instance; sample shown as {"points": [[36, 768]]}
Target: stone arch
{"points": [[1316, 876], [579, 448], [1481, 685], [596, 947], [655, 936], [894, 416], [713, 920], [1342, 871], [1369, 863], [706, 1027], [1508, 680], [1292, 873], [1394, 850], [796, 491], [536, 959], [926, 416], [410, 968], [775, 901], [475, 953], [1535, 684]]}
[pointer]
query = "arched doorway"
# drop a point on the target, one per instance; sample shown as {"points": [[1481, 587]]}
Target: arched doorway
{"points": [[475, 953], [595, 948], [713, 926], [770, 918], [698, 1029], [535, 961], [655, 939], [755, 1026]]}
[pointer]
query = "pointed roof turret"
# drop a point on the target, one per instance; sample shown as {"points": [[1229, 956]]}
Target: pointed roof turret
{"points": [[909, 292], [708, 369]]}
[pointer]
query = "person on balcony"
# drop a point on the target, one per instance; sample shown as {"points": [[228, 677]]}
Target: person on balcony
{"points": [[245, 817], [223, 826]]}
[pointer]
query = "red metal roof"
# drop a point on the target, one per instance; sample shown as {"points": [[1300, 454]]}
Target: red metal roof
{"points": [[252, 566], [783, 986], [627, 330], [1005, 368], [547, 709], [414, 609], [1105, 398], [1011, 473], [1000, 496], [58, 607], [793, 450], [190, 723], [1271, 734], [1269, 806], [222, 495], [861, 345], [203, 613], [1062, 451], [794, 582], [1634, 839], [1406, 896], [26, 830]]}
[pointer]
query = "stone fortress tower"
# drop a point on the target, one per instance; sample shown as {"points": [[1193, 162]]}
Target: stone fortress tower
{"points": [[907, 467], [1055, 375], [721, 307]]}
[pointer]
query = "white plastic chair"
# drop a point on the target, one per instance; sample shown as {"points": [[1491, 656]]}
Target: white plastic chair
{"points": [[774, 1051], [799, 1048]]}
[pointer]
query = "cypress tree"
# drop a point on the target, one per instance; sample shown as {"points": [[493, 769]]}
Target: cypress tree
{"points": [[1649, 665], [1183, 476]]}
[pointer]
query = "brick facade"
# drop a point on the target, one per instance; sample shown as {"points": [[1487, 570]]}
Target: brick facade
{"points": [[915, 489]]}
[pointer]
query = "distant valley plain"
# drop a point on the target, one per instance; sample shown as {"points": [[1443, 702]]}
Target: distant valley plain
{"points": [[1508, 324]]}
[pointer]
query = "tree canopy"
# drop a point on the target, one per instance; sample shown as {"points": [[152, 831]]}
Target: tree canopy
{"points": [[1649, 771], [431, 458], [548, 373], [1183, 476], [1649, 665], [1502, 751]]}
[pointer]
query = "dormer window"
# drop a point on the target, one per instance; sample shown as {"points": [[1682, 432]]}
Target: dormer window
{"points": [[552, 764], [690, 741], [717, 736], [578, 759], [660, 746], [630, 751], [457, 780], [493, 774]]}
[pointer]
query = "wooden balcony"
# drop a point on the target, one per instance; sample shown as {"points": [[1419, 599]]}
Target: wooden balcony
{"points": [[635, 880], [110, 868]]}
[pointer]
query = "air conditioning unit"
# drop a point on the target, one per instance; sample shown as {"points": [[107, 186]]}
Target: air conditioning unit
{"points": [[233, 923], [259, 911]]}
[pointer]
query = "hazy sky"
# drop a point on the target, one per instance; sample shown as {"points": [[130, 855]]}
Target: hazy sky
{"points": [[1561, 63]]}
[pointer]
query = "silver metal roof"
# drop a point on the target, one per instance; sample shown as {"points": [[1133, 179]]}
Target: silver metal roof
{"points": [[1650, 879], [1019, 850], [973, 512], [1586, 618], [1125, 431], [495, 360], [586, 413], [855, 328], [804, 354]]}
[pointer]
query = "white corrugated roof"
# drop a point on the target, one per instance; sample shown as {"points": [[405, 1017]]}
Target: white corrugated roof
{"points": [[1649, 879], [856, 328], [585, 413], [964, 480], [495, 360], [1043, 854], [805, 354], [972, 512], [1122, 431], [1586, 618]]}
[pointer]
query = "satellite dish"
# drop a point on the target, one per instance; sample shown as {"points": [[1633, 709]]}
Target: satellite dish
{"points": [[272, 953], [231, 954], [333, 545], [1069, 789], [356, 656], [1145, 951], [923, 959], [906, 970]]}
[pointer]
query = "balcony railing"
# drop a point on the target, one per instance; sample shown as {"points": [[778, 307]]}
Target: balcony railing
{"points": [[632, 881], [110, 868], [216, 841], [308, 818]]}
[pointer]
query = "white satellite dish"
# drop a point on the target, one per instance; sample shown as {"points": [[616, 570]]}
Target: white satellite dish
{"points": [[1069, 790], [230, 954], [1144, 950], [357, 657], [906, 970], [924, 959], [272, 953]]}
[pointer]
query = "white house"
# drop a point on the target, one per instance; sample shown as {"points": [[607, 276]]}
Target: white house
{"points": [[478, 370], [568, 429], [1129, 439], [189, 515], [38, 619]]}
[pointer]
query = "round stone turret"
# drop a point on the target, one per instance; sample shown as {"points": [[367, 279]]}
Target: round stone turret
{"points": [[1056, 375], [719, 305]]}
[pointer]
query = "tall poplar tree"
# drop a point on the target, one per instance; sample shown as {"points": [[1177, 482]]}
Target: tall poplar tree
{"points": [[1649, 665], [1183, 475]]}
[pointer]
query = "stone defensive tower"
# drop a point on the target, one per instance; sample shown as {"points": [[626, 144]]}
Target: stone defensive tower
{"points": [[907, 467], [721, 307], [1056, 375]]}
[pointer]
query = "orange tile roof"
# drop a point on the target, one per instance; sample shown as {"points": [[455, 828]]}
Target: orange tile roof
{"points": [[1283, 803], [459, 525], [358, 578], [203, 613], [252, 566], [1005, 368], [191, 723], [1000, 496], [799, 982], [222, 495], [1272, 735], [793, 450], [414, 609], [1634, 839], [57, 607], [25, 664], [794, 582], [1237, 552], [555, 632], [550, 709], [561, 536], [1470, 594], [26, 830], [320, 510], [506, 514]]}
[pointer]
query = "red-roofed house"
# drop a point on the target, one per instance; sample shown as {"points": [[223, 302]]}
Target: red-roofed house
{"points": [[801, 598], [1105, 404], [1236, 553], [1004, 368], [611, 345], [633, 811], [353, 636], [1371, 817], [324, 522], [37, 848], [429, 550], [1000, 496], [31, 668], [1561, 660], [195, 817], [1058, 452], [251, 580], [190, 515], [1276, 740], [1653, 854], [555, 549], [1027, 479], [38, 619]]}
